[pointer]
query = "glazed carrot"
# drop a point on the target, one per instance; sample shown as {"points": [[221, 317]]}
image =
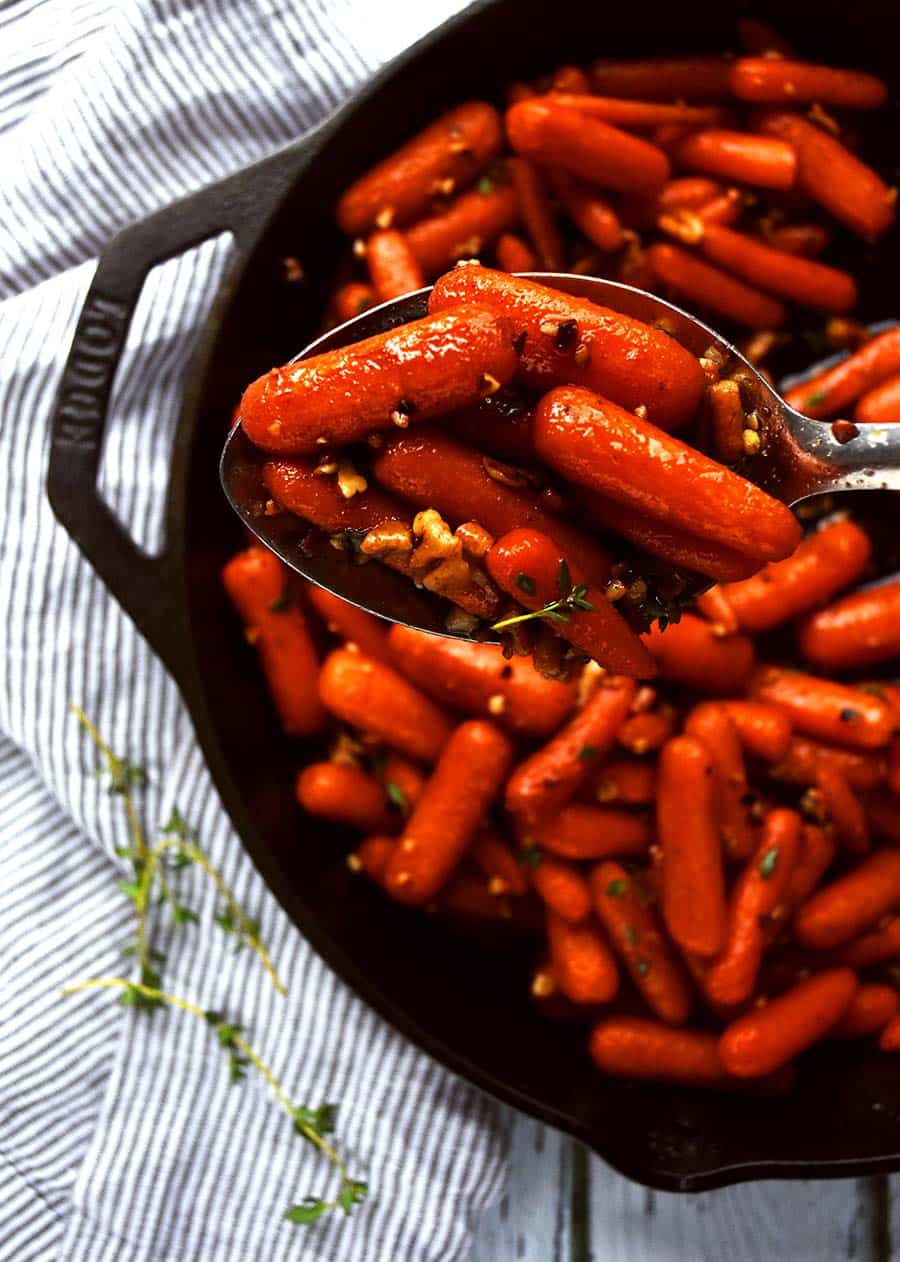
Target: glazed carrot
{"points": [[255, 583], [878, 946], [869, 1011], [403, 781], [561, 885], [764, 730], [550, 133], [580, 831], [663, 78], [372, 697], [766, 1038], [530, 567], [725, 209], [547, 779], [825, 709], [764, 161], [624, 780], [859, 630], [644, 733], [817, 852], [759, 890], [351, 623], [495, 858], [680, 547], [570, 79], [633, 1047], [469, 896], [784, 275], [715, 609], [809, 240], [845, 811], [702, 283], [690, 653], [463, 229], [757, 38], [346, 795], [833, 390], [822, 564], [514, 254], [393, 269], [780, 81], [430, 469], [637, 938], [478, 680], [467, 777], [572, 339], [890, 1036], [727, 420], [352, 299], [693, 885], [712, 725], [831, 175], [537, 213], [851, 904], [296, 486], [883, 815], [372, 856], [686, 192], [422, 369], [447, 155], [591, 215], [879, 405], [804, 757], [581, 961], [599, 445], [621, 112]]}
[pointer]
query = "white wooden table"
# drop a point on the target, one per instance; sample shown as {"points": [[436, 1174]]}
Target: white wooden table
{"points": [[563, 1205]]}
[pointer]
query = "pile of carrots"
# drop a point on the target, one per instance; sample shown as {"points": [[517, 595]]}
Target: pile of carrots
{"points": [[721, 181], [709, 867]]}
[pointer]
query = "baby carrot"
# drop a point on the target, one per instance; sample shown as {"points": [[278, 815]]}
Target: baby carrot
{"points": [[372, 856], [549, 133], [851, 904], [663, 78], [869, 1011], [255, 583], [764, 730], [628, 781], [693, 885], [646, 732], [831, 175], [822, 564], [804, 757], [727, 420], [759, 890], [495, 858], [514, 254], [833, 390], [572, 339], [447, 155], [639, 941], [859, 630], [351, 623], [844, 810], [393, 269], [699, 281], [633, 1047], [766, 1038], [591, 215], [621, 112], [561, 885], [422, 369], [542, 784], [817, 852], [808, 240], [372, 697], [880, 405], [782, 81], [478, 680], [352, 299], [346, 795], [537, 213], [581, 831], [599, 445], [466, 779], [824, 708], [463, 228], [736, 155], [878, 946], [295, 485], [581, 961], [713, 726], [716, 610], [529, 566], [689, 652]]}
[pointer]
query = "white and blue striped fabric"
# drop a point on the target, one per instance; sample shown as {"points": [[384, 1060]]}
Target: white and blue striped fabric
{"points": [[121, 1136]]}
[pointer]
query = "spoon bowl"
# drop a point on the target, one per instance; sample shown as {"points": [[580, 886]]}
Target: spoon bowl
{"points": [[798, 457]]}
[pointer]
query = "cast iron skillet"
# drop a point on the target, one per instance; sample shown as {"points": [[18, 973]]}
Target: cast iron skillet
{"points": [[466, 1007]]}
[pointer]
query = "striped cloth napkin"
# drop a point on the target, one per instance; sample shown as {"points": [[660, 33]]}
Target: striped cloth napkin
{"points": [[121, 1137]]}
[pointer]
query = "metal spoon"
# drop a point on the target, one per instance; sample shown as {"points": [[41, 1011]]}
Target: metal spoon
{"points": [[799, 457]]}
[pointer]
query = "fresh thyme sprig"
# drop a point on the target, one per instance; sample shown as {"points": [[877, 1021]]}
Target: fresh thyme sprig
{"points": [[572, 596], [177, 848]]}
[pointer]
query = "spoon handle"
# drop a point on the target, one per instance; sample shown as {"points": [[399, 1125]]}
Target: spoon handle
{"points": [[814, 457]]}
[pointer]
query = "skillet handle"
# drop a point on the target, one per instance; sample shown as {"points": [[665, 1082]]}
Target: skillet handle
{"points": [[242, 204]]}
